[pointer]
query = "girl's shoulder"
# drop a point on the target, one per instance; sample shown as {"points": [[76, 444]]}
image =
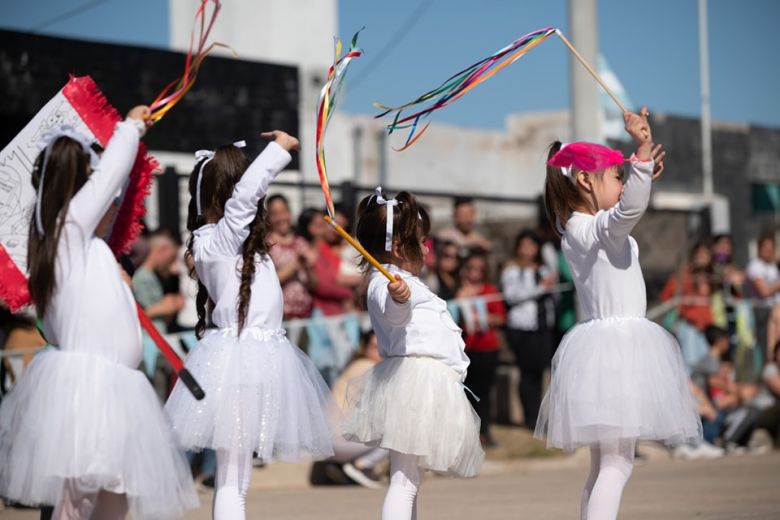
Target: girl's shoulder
{"points": [[579, 229]]}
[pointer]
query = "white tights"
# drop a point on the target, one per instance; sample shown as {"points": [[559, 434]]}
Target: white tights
{"points": [[610, 467], [405, 477], [234, 470], [80, 502]]}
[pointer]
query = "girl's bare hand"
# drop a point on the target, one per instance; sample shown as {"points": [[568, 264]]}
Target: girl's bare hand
{"points": [[657, 155], [283, 139], [141, 113], [399, 291]]}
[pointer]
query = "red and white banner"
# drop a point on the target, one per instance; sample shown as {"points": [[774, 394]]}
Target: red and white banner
{"points": [[82, 105]]}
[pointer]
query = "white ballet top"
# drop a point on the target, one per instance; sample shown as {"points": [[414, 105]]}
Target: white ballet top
{"points": [[420, 327], [92, 310], [217, 250], [604, 258]]}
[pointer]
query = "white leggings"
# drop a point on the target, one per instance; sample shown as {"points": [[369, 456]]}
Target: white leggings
{"points": [[80, 501], [611, 464], [405, 477], [234, 471]]}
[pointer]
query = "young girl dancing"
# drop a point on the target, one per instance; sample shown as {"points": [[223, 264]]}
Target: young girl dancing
{"points": [[413, 402], [263, 394], [82, 428], [617, 377]]}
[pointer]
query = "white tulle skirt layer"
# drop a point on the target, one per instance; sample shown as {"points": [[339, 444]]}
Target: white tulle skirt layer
{"points": [[417, 406], [618, 378], [262, 393], [80, 416]]}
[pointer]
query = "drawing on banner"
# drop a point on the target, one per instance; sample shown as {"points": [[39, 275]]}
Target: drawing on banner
{"points": [[17, 194]]}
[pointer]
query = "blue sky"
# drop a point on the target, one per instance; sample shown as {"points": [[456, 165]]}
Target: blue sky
{"points": [[651, 46]]}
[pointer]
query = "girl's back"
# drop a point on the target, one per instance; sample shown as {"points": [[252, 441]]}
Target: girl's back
{"points": [[221, 276], [91, 309]]}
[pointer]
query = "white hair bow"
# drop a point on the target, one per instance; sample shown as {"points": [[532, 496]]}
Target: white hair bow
{"points": [[46, 143], [390, 204], [208, 155]]}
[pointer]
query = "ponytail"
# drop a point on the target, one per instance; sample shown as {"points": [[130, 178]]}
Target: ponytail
{"points": [[561, 196]]}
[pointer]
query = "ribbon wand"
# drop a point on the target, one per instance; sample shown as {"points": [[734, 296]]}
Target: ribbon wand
{"points": [[326, 106], [198, 50]]}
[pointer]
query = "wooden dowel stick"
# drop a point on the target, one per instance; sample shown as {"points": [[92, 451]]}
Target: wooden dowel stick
{"points": [[590, 69]]}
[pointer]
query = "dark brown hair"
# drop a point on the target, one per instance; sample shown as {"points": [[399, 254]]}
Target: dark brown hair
{"points": [[66, 172], [410, 224], [477, 254], [561, 196], [219, 178], [529, 234]]}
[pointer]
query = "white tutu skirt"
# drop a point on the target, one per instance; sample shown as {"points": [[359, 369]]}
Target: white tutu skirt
{"points": [[80, 416], [262, 394], [618, 378], [416, 406]]}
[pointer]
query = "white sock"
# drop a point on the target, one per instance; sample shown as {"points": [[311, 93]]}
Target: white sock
{"points": [[595, 461], [231, 484], [616, 461], [405, 477]]}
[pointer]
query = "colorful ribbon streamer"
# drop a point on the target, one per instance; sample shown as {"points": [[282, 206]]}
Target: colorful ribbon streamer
{"points": [[327, 105], [175, 90], [458, 84]]}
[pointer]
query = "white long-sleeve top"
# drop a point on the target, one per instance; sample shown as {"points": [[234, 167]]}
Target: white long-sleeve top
{"points": [[521, 290], [92, 310], [420, 327], [217, 250], [604, 258]]}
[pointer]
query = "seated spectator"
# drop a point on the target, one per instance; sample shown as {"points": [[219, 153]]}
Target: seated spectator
{"points": [[736, 417], [357, 461], [160, 307], [726, 272], [692, 283], [288, 252], [709, 377], [768, 399], [18, 331], [463, 234], [701, 449], [773, 327]]}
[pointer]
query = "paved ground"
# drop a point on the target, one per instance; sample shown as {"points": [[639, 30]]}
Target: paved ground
{"points": [[733, 488]]}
